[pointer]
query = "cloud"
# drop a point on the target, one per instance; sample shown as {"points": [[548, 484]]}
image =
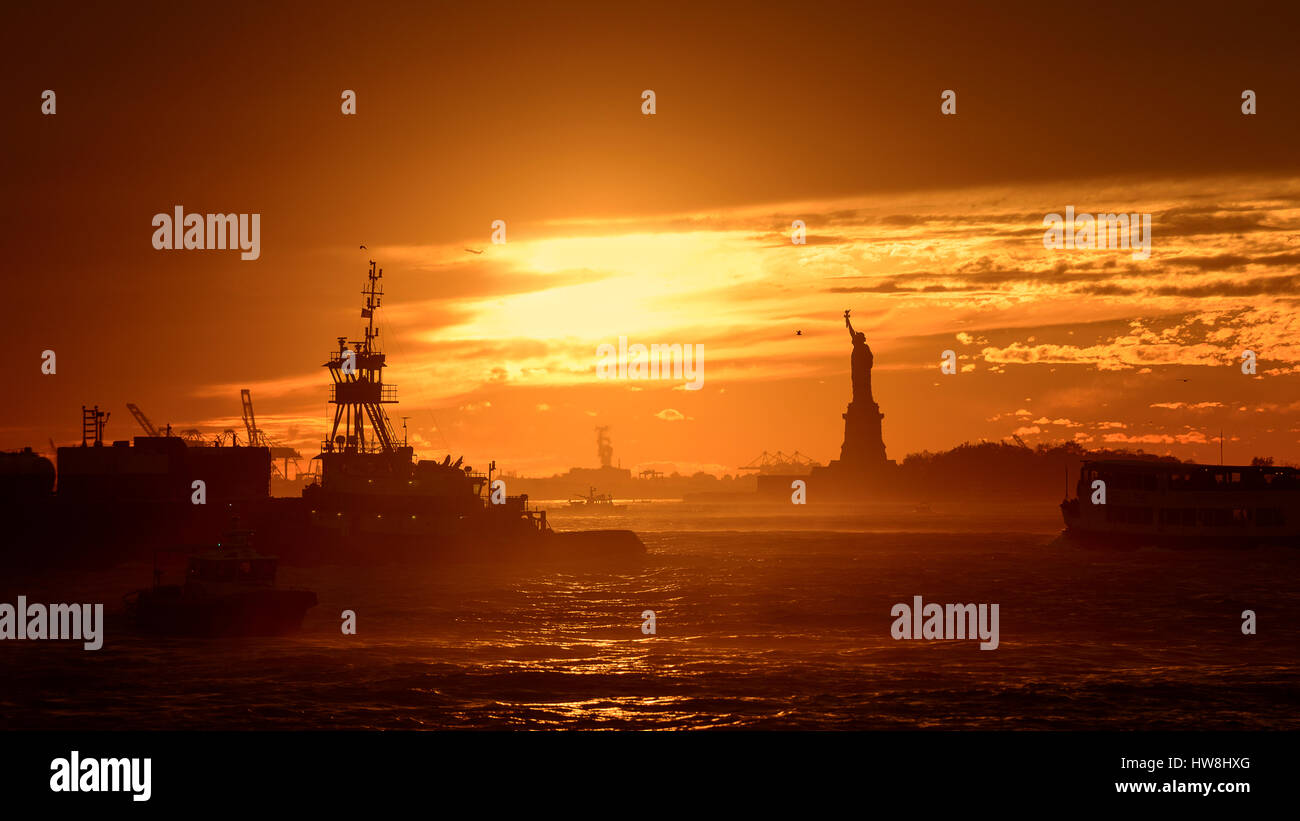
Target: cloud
{"points": [[1068, 423], [671, 415], [1192, 438]]}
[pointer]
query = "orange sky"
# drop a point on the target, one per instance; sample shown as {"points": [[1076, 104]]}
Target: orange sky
{"points": [[665, 229]]}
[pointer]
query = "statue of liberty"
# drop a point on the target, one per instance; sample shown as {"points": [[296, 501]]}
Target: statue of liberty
{"points": [[861, 364]]}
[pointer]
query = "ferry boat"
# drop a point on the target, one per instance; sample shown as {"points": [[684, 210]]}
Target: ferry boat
{"points": [[228, 590], [1183, 504]]}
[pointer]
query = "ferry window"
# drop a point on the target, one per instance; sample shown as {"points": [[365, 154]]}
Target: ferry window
{"points": [[1236, 478], [1240, 515], [1269, 517]]}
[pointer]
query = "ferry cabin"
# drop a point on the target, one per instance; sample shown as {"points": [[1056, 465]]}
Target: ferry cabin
{"points": [[1179, 502]]}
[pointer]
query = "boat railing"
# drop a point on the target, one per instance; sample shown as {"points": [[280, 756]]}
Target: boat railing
{"points": [[387, 392]]}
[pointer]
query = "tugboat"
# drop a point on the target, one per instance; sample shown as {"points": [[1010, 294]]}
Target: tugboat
{"points": [[228, 591], [594, 502], [375, 502], [1136, 503]]}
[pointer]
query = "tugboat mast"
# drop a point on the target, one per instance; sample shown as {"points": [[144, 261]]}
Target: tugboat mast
{"points": [[358, 391]]}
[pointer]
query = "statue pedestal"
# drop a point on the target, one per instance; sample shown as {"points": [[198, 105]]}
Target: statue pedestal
{"points": [[862, 473], [864, 446]]}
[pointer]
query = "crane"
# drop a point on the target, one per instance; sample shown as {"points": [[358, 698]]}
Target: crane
{"points": [[142, 420], [258, 438], [250, 423], [779, 462]]}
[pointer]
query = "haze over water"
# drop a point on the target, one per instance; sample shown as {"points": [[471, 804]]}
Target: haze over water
{"points": [[764, 620]]}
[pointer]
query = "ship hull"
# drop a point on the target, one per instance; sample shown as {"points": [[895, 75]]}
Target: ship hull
{"points": [[1128, 540], [457, 540], [51, 532], [396, 527]]}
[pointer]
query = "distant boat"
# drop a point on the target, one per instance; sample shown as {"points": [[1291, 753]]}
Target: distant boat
{"points": [[1181, 504], [228, 591], [594, 502]]}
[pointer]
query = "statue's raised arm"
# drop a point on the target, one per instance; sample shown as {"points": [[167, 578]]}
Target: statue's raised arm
{"points": [[849, 325]]}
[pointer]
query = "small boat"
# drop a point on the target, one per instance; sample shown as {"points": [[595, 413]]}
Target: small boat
{"points": [[229, 590], [594, 502]]}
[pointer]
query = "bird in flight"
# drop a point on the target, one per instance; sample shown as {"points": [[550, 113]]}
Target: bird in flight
{"points": [[363, 247], [472, 251], [798, 333], [1185, 380]]}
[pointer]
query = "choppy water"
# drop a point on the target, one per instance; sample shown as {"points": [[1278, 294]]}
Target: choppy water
{"points": [[783, 627]]}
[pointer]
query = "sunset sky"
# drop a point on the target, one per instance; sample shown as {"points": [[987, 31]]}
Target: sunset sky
{"points": [[671, 228]]}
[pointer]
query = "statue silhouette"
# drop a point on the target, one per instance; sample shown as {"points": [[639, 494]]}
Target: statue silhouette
{"points": [[861, 364], [864, 447]]}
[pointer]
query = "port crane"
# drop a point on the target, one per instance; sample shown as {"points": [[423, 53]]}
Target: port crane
{"points": [[258, 438], [255, 436], [779, 462], [142, 420]]}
